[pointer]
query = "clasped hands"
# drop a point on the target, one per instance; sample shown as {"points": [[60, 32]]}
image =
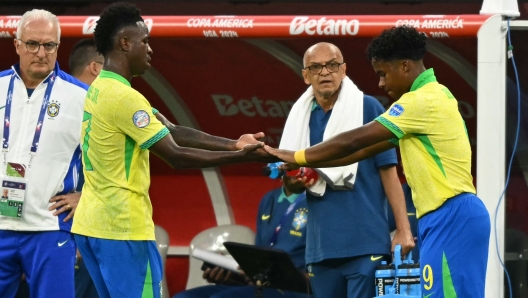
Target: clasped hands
{"points": [[253, 144]]}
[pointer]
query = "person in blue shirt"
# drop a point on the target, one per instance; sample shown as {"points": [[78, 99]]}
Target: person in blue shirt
{"points": [[85, 65], [347, 229], [277, 206]]}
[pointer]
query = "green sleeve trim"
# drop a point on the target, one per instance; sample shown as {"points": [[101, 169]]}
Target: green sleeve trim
{"points": [[390, 126], [154, 111], [160, 135], [394, 141]]}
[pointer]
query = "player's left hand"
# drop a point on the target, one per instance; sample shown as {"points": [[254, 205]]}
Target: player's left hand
{"points": [[248, 138], [65, 203], [259, 154], [405, 238], [284, 155], [251, 147]]}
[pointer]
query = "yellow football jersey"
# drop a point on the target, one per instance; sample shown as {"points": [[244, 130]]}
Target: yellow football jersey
{"points": [[118, 128], [434, 144]]}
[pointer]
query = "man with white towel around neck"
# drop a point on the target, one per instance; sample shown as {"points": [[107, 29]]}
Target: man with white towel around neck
{"points": [[347, 232]]}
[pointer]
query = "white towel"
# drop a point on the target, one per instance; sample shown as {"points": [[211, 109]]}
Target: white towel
{"points": [[347, 114]]}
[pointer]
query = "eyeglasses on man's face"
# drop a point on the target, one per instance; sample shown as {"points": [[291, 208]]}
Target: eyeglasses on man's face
{"points": [[318, 68], [34, 47]]}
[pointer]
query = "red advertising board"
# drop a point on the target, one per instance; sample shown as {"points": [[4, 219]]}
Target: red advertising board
{"points": [[435, 26]]}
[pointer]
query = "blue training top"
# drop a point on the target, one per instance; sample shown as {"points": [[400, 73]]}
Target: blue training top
{"points": [[348, 223], [292, 235]]}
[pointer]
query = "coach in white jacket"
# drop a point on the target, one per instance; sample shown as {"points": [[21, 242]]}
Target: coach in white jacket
{"points": [[42, 109]]}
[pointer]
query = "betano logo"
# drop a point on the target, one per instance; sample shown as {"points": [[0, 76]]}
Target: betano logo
{"points": [[227, 106], [323, 26]]}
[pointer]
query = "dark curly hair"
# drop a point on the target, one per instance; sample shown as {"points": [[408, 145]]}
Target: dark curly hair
{"points": [[398, 43], [114, 18]]}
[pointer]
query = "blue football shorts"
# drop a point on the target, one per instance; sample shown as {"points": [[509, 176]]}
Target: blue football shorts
{"points": [[122, 268], [454, 241]]}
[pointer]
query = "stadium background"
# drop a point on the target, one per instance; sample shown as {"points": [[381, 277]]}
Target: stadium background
{"points": [[241, 75]]}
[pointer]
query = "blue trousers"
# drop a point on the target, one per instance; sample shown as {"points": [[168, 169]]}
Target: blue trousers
{"points": [[45, 257], [223, 291], [344, 277]]}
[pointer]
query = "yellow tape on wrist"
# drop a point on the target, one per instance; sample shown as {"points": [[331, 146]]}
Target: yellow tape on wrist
{"points": [[300, 157]]}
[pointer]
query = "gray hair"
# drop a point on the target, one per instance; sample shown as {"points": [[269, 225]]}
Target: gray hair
{"points": [[38, 14]]}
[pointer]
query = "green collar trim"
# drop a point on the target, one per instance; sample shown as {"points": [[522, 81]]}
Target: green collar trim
{"points": [[112, 75], [423, 79], [314, 104], [290, 199]]}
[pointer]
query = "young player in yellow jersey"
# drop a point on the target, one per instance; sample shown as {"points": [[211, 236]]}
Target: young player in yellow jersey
{"points": [[454, 225], [113, 221]]}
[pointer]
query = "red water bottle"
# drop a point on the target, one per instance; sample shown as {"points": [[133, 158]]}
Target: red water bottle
{"points": [[301, 172]]}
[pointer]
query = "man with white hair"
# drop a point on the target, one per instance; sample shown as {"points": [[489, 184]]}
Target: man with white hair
{"points": [[41, 108]]}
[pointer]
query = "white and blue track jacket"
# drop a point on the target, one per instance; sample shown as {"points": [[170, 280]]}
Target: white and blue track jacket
{"points": [[55, 167]]}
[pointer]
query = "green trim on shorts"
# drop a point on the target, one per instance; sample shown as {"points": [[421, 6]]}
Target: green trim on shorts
{"points": [[447, 281], [148, 287]]}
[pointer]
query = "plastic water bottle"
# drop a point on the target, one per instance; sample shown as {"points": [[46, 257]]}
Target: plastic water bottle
{"points": [[384, 278], [274, 171], [301, 172]]}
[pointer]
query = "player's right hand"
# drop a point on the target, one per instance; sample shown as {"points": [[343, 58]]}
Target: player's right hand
{"points": [[255, 152], [294, 184], [285, 155]]}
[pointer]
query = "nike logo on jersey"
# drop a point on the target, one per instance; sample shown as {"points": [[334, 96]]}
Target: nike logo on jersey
{"points": [[2, 107], [59, 244], [373, 258], [265, 217], [427, 296]]}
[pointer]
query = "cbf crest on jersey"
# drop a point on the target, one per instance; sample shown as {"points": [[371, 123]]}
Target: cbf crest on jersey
{"points": [[300, 218], [141, 119], [53, 109]]}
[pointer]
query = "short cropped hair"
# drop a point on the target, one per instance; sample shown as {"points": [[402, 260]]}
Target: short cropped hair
{"points": [[82, 54], [37, 14], [114, 18], [398, 43]]}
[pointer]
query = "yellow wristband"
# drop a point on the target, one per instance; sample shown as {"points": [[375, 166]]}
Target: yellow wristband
{"points": [[300, 158]]}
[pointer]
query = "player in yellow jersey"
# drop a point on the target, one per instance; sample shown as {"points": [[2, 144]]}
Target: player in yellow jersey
{"points": [[454, 225], [113, 222]]}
